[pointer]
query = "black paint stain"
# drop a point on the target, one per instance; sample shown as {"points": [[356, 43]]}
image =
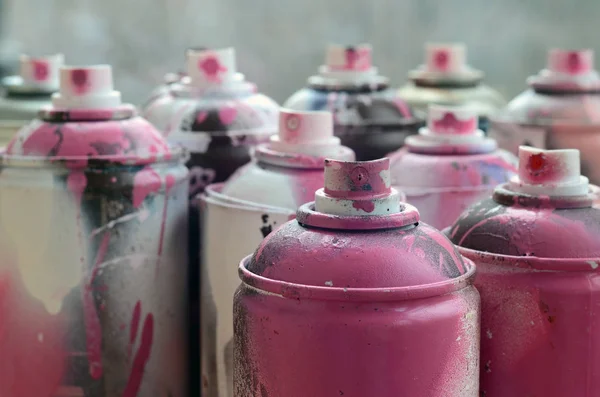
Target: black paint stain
{"points": [[266, 229]]}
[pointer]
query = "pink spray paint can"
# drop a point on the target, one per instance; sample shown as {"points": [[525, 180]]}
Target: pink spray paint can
{"points": [[447, 79], [368, 117], [25, 94], [238, 214], [560, 110], [218, 117], [356, 298], [536, 244], [93, 229], [449, 165]]}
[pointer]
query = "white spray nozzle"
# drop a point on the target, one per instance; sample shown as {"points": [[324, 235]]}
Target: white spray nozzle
{"points": [[549, 173], [446, 120], [42, 72], [571, 62], [209, 68], [88, 87], [450, 58], [351, 64]]}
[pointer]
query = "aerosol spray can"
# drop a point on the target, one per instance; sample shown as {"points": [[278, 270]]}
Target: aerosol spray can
{"points": [[239, 213], [447, 79], [24, 95], [356, 298], [218, 117], [560, 110], [536, 244], [449, 165], [93, 241], [368, 117]]}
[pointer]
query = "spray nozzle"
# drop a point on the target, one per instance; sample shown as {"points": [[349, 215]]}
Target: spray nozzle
{"points": [[549, 173], [88, 87], [42, 71], [357, 188], [450, 58], [451, 129], [571, 62], [210, 68], [348, 63]]}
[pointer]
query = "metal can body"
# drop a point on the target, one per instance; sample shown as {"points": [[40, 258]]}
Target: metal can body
{"points": [[367, 345], [369, 121], [17, 112], [553, 121], [93, 275], [233, 229], [443, 186], [536, 245], [355, 297]]}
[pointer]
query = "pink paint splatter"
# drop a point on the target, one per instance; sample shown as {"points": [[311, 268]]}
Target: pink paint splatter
{"points": [[352, 57], [141, 358], [135, 323], [450, 124], [41, 70], [93, 327], [145, 182], [542, 168], [79, 78], [212, 68], [367, 206], [201, 116], [442, 60], [227, 114], [76, 183], [402, 107], [576, 64]]}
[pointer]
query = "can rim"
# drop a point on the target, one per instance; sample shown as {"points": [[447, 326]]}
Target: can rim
{"points": [[212, 195], [533, 262], [297, 291]]}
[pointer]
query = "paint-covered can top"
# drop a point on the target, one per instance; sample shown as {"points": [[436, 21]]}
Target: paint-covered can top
{"points": [[37, 75], [451, 130], [357, 237], [565, 93], [543, 212], [348, 67], [446, 64], [86, 122]]}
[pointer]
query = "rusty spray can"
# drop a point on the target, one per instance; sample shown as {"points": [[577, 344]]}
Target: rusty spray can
{"points": [[218, 117], [560, 110], [447, 79], [238, 214], [449, 165], [356, 297], [368, 117], [536, 245], [28, 92], [93, 229]]}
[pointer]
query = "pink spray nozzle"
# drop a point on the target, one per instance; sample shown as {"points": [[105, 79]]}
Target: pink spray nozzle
{"points": [[445, 120], [297, 127], [549, 172], [357, 188], [88, 87], [446, 58], [349, 58], [42, 71], [208, 68], [350, 179], [571, 62]]}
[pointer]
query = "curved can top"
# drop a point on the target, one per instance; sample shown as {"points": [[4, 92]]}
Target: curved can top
{"points": [[543, 212], [88, 122], [357, 238]]}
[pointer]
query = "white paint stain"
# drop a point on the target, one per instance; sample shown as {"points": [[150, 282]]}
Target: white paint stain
{"points": [[593, 264], [489, 334], [385, 177], [329, 283], [40, 337]]}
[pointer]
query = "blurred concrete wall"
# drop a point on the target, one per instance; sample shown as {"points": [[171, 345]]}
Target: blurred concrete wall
{"points": [[281, 42]]}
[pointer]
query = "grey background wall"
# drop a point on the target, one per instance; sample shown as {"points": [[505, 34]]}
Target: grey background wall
{"points": [[281, 42]]}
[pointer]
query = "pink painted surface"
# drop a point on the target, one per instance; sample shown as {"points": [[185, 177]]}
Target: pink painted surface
{"points": [[356, 305], [537, 271], [443, 186]]}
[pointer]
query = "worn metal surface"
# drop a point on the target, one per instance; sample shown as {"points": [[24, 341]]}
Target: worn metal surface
{"points": [[356, 298], [93, 228], [537, 258]]}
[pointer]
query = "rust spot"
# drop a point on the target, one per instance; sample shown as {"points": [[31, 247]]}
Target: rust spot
{"points": [[275, 332], [341, 393], [488, 367], [544, 307], [551, 319]]}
